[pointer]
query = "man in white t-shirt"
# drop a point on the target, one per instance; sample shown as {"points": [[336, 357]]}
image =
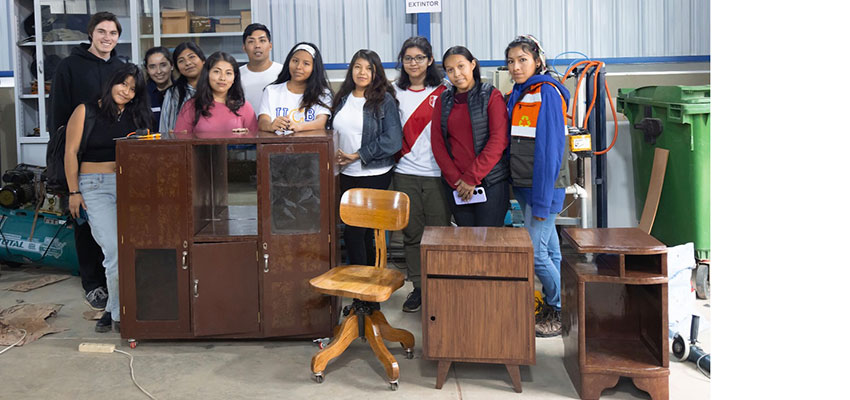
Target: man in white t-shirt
{"points": [[260, 70]]}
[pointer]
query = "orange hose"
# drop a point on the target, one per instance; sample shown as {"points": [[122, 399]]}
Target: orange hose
{"points": [[591, 63], [616, 125]]}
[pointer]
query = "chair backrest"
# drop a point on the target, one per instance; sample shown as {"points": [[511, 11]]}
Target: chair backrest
{"points": [[376, 209], [380, 210]]}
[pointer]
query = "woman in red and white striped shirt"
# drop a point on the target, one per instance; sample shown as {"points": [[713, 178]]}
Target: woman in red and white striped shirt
{"points": [[417, 173]]}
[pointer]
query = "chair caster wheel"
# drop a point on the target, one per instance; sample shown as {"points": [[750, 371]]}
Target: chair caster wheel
{"points": [[409, 354], [319, 378], [132, 343], [394, 386]]}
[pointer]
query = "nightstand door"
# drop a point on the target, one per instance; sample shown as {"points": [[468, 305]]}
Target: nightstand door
{"points": [[479, 320]]}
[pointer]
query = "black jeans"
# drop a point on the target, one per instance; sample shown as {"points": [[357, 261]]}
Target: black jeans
{"points": [[90, 257], [360, 242], [490, 213]]}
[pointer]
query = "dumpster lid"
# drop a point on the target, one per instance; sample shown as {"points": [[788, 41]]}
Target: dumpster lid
{"points": [[668, 94]]}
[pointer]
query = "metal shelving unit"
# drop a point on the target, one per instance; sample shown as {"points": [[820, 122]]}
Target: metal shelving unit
{"points": [[29, 65], [230, 42]]}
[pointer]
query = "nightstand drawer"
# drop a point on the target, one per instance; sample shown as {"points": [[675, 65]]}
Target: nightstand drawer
{"points": [[478, 264]]}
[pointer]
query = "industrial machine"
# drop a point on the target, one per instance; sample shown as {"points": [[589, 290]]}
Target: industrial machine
{"points": [[35, 227]]}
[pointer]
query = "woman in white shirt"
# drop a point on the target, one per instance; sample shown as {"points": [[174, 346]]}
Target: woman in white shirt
{"points": [[418, 88], [365, 115], [300, 98]]}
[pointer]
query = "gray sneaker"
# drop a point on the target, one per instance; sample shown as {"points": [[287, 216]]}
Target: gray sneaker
{"points": [[96, 298]]}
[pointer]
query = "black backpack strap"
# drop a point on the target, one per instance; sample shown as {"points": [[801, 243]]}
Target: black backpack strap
{"points": [[88, 126]]}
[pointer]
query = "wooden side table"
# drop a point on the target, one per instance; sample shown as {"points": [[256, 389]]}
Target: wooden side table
{"points": [[477, 298], [614, 311]]}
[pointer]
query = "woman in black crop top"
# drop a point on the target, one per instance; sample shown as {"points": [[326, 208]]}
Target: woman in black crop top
{"points": [[123, 108]]}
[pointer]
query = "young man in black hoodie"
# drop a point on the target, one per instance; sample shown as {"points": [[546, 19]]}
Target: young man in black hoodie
{"points": [[79, 78]]}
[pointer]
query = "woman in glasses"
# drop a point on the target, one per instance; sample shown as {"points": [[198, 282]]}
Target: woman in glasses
{"points": [[417, 174]]}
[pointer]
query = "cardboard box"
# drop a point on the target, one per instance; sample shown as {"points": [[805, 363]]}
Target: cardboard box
{"points": [[246, 19], [201, 25], [146, 25], [175, 21], [228, 28], [230, 21]]}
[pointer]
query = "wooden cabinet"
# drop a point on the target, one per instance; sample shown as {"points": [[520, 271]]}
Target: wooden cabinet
{"points": [[478, 297], [614, 311], [194, 263]]}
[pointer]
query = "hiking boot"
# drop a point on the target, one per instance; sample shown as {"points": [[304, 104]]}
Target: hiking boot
{"points": [[104, 324], [550, 325], [96, 298], [413, 302], [541, 311]]}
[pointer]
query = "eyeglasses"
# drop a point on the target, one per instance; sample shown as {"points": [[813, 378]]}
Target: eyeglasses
{"points": [[419, 59]]}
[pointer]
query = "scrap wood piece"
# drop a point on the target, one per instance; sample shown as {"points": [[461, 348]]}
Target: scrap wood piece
{"points": [[30, 317], [35, 283], [653, 193]]}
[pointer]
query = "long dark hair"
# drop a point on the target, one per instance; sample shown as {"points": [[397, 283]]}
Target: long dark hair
{"points": [[139, 108], [317, 83], [463, 51], [182, 82], [433, 77], [376, 90], [204, 94], [530, 45]]}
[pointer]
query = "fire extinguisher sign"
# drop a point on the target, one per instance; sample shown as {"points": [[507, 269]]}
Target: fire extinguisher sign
{"points": [[422, 6]]}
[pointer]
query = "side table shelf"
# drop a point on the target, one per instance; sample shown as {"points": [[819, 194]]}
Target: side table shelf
{"points": [[614, 312]]}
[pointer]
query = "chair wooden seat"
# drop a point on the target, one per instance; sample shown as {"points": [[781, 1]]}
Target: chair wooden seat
{"points": [[362, 282], [381, 210]]}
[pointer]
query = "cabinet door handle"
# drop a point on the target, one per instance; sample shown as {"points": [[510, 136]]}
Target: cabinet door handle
{"points": [[185, 258], [196, 287], [266, 263]]}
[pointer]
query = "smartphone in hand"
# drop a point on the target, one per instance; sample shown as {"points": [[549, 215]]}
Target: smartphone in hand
{"points": [[478, 196]]}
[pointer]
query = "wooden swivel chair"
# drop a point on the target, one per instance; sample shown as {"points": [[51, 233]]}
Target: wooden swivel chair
{"points": [[368, 285]]}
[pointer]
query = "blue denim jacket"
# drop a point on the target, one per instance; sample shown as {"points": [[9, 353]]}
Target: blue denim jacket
{"points": [[381, 134]]}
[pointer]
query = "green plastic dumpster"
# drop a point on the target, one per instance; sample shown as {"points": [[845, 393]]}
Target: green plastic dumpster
{"points": [[676, 118]]}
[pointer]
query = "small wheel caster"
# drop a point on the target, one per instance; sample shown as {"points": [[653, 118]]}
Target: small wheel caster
{"points": [[132, 343], [319, 377], [393, 386], [409, 354], [703, 286]]}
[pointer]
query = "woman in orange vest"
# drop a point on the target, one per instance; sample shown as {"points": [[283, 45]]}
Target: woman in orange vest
{"points": [[537, 107]]}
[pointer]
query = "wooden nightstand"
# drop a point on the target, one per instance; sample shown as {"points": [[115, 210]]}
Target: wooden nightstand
{"points": [[478, 298], [614, 311]]}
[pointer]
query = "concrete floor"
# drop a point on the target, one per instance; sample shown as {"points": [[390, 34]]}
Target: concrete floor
{"points": [[52, 368]]}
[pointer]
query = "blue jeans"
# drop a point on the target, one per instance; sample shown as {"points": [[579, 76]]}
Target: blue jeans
{"points": [[547, 252], [99, 194]]}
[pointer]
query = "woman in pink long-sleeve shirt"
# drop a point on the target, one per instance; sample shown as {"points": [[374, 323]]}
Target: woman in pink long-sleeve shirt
{"points": [[219, 104]]}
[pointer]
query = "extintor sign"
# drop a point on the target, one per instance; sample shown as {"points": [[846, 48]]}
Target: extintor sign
{"points": [[422, 6]]}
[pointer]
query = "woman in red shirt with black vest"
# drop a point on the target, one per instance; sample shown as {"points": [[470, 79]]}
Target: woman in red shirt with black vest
{"points": [[469, 138]]}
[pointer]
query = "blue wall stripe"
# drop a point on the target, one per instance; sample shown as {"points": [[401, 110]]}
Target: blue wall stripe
{"points": [[568, 61], [7, 74], [423, 25]]}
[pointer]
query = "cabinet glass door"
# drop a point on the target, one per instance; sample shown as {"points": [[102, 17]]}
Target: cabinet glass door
{"points": [[295, 223]]}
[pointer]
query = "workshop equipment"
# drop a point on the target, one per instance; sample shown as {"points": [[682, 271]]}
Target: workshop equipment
{"points": [[34, 227], [690, 351]]}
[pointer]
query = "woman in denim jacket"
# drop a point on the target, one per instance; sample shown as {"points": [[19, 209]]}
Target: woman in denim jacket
{"points": [[365, 115]]}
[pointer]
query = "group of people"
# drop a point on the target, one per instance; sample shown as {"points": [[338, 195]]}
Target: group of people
{"points": [[456, 148]]}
